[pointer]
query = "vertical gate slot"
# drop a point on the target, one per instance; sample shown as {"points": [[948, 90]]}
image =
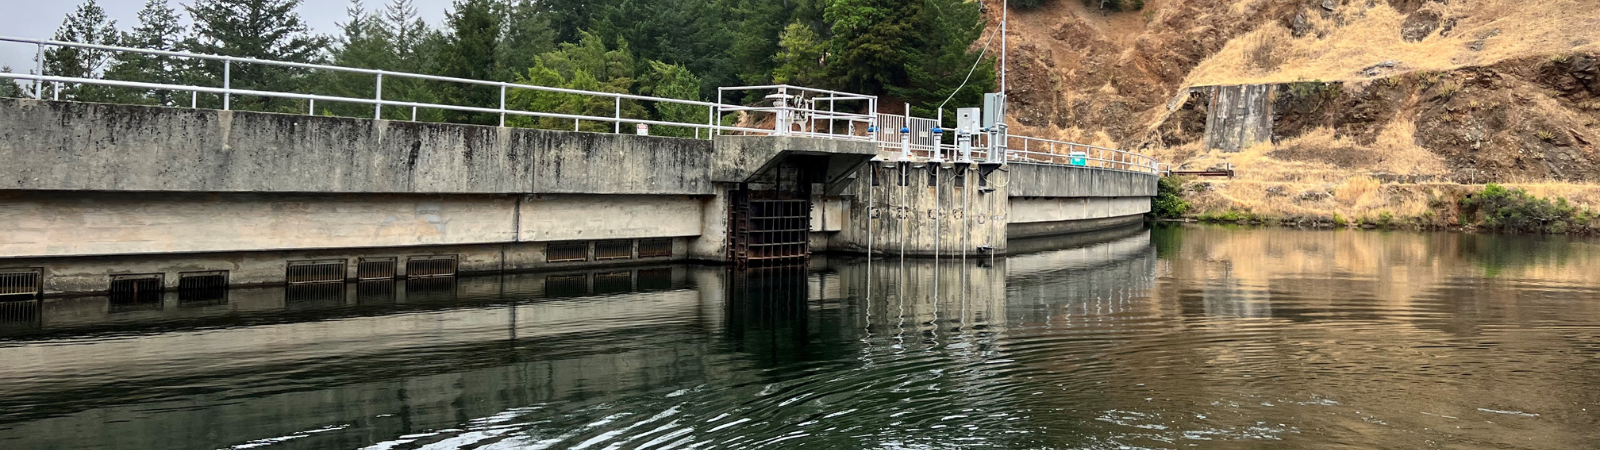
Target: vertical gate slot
{"points": [[320, 271], [616, 249], [566, 252], [560, 286], [136, 292], [21, 284], [655, 248], [377, 269], [203, 288], [22, 313], [431, 266]]}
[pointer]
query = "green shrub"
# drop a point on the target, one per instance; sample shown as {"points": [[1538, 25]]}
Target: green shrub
{"points": [[1168, 204], [1115, 5], [1514, 210], [1340, 220]]}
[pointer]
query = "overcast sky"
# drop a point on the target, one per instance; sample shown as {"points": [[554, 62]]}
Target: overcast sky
{"points": [[38, 19]]}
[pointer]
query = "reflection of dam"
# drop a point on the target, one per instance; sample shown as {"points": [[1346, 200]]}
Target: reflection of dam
{"points": [[397, 358], [1087, 279]]}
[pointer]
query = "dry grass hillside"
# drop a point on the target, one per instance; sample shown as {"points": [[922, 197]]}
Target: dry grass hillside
{"points": [[1414, 97]]}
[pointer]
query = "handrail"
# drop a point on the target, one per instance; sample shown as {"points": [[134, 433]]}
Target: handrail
{"points": [[794, 106]]}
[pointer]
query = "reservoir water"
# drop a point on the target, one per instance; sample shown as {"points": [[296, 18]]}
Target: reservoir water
{"points": [[1171, 337]]}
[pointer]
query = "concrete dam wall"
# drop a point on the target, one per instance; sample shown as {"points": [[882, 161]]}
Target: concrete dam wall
{"points": [[106, 194]]}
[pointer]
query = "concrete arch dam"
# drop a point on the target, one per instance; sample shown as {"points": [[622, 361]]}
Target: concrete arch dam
{"points": [[98, 195]]}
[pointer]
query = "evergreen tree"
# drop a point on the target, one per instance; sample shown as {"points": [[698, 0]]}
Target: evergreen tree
{"points": [[469, 50], [263, 29], [870, 42], [9, 88], [938, 59], [365, 42], [673, 81], [87, 24], [158, 29], [527, 35], [414, 46], [689, 33], [586, 65], [800, 56]]}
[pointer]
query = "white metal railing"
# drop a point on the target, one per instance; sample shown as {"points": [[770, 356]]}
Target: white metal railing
{"points": [[793, 111]]}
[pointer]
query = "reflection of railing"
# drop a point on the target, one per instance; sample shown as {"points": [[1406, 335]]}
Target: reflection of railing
{"points": [[790, 110]]}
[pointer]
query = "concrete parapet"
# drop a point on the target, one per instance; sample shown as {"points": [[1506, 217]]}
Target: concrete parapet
{"points": [[1038, 180], [100, 147]]}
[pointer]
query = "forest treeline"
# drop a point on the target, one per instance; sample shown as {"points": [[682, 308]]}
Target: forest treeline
{"points": [[916, 51]]}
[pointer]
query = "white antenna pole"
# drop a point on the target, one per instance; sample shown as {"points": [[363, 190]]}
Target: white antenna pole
{"points": [[1005, 12]]}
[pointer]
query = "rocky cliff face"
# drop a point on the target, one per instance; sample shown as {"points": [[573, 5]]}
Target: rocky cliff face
{"points": [[1488, 90]]}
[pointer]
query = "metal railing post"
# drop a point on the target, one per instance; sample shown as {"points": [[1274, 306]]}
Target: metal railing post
{"points": [[617, 125], [227, 83], [194, 99], [413, 114], [38, 81], [311, 108], [55, 91], [377, 97], [502, 105]]}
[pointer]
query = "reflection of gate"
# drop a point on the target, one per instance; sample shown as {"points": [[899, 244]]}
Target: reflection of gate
{"points": [[769, 227]]}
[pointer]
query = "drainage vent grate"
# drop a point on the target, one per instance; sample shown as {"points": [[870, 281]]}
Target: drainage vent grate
{"points": [[135, 292], [566, 252], [19, 284], [431, 266], [375, 268], [655, 279], [203, 288], [324, 271], [620, 249], [613, 282], [558, 286], [655, 248]]}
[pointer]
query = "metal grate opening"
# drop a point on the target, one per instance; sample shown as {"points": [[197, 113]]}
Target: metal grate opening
{"points": [[558, 286], [430, 289], [613, 282], [314, 295], [203, 288], [655, 248], [136, 292], [20, 284], [618, 249], [321, 271], [376, 268], [375, 292], [655, 279], [431, 266], [566, 252], [779, 229]]}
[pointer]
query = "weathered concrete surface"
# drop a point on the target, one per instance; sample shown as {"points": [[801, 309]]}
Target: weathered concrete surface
{"points": [[1034, 209], [1037, 180], [1239, 116], [739, 158], [1043, 229], [86, 146], [926, 216], [46, 223]]}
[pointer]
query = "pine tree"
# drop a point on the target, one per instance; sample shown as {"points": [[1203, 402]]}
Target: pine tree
{"points": [[800, 56], [9, 87], [158, 29], [586, 65], [673, 81], [469, 50], [527, 35], [87, 24], [364, 42], [938, 59], [263, 29], [870, 42]]}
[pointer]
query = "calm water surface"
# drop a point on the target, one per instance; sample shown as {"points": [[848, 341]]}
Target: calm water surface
{"points": [[1183, 337]]}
